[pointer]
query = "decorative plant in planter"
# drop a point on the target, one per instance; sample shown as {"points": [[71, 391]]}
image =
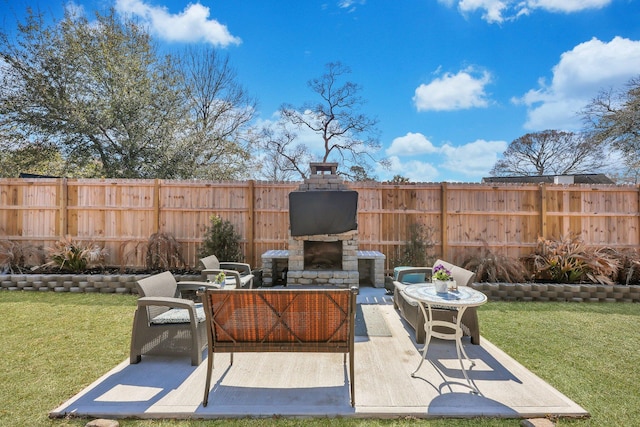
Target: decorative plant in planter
{"points": [[75, 256], [441, 273], [441, 278], [568, 260], [164, 252], [491, 266], [629, 273], [19, 257], [220, 278], [76, 266]]}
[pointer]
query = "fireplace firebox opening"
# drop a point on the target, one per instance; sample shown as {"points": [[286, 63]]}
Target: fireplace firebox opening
{"points": [[322, 255]]}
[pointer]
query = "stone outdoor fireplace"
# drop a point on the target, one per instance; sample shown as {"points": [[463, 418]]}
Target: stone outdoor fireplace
{"points": [[319, 255], [323, 237]]}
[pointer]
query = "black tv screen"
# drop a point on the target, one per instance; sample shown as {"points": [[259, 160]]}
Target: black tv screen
{"points": [[323, 212]]}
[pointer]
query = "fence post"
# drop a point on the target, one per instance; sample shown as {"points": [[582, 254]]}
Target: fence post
{"points": [[444, 237], [543, 210], [63, 201], [156, 206], [251, 250]]}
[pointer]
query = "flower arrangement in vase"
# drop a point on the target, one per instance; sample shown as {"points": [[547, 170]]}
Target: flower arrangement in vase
{"points": [[219, 279], [442, 279]]}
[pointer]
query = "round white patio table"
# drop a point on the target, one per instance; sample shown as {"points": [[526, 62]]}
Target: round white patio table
{"points": [[459, 300]]}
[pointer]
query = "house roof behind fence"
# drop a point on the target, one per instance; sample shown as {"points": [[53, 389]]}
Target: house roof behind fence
{"points": [[593, 178]]}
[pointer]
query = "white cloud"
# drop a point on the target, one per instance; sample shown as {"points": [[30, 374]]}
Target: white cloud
{"points": [[581, 73], [191, 25], [460, 91], [567, 6], [411, 144], [427, 162], [415, 170], [474, 159], [493, 9], [497, 11], [350, 4]]}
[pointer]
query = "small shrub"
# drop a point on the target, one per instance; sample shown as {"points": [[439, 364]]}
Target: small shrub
{"points": [[568, 260], [19, 257], [129, 252], [418, 250], [490, 266], [603, 265], [164, 252], [221, 240], [629, 272], [75, 256]]}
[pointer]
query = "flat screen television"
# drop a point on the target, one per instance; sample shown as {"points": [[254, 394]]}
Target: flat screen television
{"points": [[322, 212]]}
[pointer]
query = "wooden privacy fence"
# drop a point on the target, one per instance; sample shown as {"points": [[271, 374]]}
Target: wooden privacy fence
{"points": [[122, 214]]}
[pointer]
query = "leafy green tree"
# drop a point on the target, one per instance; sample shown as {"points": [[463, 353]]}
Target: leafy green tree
{"points": [[35, 158], [98, 90], [399, 179], [100, 94], [41, 159], [359, 174]]}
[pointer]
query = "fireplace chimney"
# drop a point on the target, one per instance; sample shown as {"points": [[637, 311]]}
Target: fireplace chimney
{"points": [[323, 235]]}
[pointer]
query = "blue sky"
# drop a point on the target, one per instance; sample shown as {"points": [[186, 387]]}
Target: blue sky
{"points": [[451, 82]]}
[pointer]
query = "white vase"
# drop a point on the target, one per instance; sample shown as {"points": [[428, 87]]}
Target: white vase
{"points": [[441, 286]]}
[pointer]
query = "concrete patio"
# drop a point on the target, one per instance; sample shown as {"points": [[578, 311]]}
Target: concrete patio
{"points": [[316, 385]]}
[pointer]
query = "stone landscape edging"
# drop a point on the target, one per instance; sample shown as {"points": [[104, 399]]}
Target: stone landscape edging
{"points": [[558, 292], [126, 284], [102, 283]]}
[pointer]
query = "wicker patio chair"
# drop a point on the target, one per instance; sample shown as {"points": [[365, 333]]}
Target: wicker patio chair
{"points": [[166, 324], [237, 273], [409, 308]]}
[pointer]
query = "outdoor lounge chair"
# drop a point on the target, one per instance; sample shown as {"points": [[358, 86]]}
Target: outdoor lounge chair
{"points": [[236, 272], [166, 324], [410, 310]]}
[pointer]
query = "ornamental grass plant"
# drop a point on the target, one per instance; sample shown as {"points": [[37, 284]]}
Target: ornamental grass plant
{"points": [[569, 260], [56, 344], [75, 256]]}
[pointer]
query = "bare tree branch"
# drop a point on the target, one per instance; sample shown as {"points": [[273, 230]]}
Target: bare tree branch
{"points": [[348, 136], [550, 152], [613, 118]]}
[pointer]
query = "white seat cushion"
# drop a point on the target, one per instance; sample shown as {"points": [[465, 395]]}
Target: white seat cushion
{"points": [[178, 315]]}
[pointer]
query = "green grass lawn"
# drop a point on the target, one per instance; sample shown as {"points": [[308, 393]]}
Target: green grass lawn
{"points": [[55, 344]]}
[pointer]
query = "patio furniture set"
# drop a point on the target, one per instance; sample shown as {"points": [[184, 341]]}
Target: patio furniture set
{"points": [[234, 317], [166, 323]]}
